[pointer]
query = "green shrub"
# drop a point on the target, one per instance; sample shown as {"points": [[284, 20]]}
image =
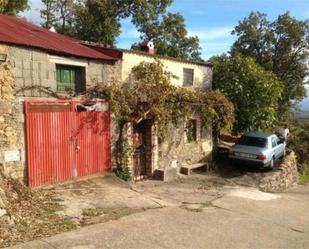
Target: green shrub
{"points": [[304, 178], [299, 142], [124, 174]]}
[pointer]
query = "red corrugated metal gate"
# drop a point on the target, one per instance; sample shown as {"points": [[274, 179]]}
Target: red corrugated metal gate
{"points": [[66, 139]]}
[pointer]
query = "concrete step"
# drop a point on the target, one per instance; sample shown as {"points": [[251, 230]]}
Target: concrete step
{"points": [[165, 174], [186, 169]]}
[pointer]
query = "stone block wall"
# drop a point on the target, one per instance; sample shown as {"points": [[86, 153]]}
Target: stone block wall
{"points": [[33, 67], [106, 73], [282, 178]]}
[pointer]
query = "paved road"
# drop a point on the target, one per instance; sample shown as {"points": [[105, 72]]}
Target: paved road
{"points": [[242, 218]]}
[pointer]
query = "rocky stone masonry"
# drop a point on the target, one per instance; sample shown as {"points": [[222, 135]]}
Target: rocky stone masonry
{"points": [[177, 148], [8, 123], [282, 178]]}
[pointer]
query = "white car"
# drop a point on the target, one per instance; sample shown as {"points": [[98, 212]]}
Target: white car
{"points": [[258, 149]]}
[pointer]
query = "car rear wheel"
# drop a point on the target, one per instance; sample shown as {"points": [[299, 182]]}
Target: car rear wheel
{"points": [[271, 164]]}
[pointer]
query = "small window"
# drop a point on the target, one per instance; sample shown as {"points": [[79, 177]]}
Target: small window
{"points": [[192, 130], [273, 142], [188, 76], [253, 141], [70, 78]]}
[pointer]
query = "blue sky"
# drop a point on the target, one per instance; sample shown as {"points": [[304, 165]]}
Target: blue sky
{"points": [[212, 21]]}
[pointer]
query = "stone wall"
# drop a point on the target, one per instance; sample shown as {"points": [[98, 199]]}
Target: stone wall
{"points": [[33, 67], [10, 144], [176, 150], [282, 178]]}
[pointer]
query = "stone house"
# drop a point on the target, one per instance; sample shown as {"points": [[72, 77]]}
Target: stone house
{"points": [[188, 144], [45, 66], [179, 148], [43, 63]]}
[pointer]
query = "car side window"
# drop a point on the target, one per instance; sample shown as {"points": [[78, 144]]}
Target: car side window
{"points": [[273, 142]]}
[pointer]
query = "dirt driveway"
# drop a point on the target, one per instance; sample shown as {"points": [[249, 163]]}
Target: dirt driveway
{"points": [[105, 197], [98, 199], [202, 211]]}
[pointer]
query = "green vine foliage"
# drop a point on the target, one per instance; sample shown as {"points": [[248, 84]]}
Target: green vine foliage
{"points": [[124, 173], [151, 95]]}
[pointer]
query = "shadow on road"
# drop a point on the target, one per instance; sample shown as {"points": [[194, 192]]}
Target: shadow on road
{"points": [[240, 173]]}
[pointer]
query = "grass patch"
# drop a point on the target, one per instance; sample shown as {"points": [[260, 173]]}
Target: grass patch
{"points": [[93, 212], [304, 178], [66, 225], [109, 214]]}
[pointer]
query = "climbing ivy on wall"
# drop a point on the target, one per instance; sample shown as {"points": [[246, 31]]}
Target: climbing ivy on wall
{"points": [[151, 95]]}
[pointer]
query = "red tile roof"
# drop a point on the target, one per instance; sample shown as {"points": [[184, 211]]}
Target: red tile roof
{"points": [[19, 32], [113, 52]]}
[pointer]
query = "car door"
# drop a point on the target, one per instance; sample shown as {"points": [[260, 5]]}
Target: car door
{"points": [[281, 146], [275, 147]]}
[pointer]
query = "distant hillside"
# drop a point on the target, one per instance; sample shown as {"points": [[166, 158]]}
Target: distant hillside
{"points": [[302, 115], [304, 105]]}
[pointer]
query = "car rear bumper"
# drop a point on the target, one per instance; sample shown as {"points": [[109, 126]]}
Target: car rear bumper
{"points": [[250, 163]]}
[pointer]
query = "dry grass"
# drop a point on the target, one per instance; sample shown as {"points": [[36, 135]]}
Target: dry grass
{"points": [[31, 214]]}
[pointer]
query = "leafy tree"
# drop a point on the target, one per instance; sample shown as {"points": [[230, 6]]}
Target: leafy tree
{"points": [[59, 14], [13, 7], [3, 3], [167, 30], [253, 91], [146, 15], [48, 14], [66, 16], [98, 21], [280, 46], [170, 36]]}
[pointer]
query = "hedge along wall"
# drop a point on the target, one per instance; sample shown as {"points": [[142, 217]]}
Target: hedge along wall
{"points": [[282, 178]]}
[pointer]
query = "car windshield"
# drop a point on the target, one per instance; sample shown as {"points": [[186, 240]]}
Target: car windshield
{"points": [[253, 141]]}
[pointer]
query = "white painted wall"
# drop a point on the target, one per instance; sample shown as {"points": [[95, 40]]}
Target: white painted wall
{"points": [[202, 73]]}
